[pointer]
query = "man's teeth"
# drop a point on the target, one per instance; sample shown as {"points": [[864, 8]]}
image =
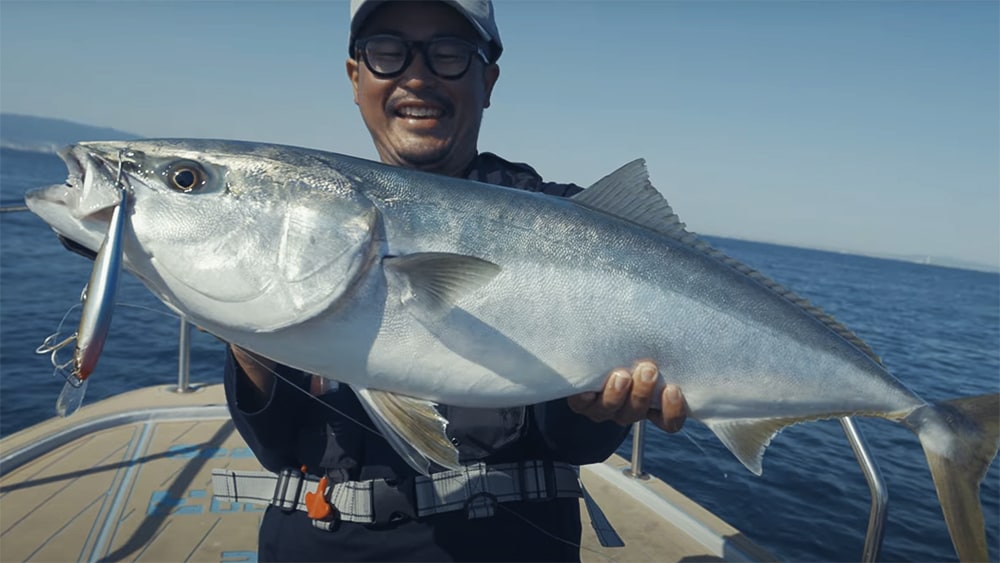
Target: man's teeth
{"points": [[420, 112]]}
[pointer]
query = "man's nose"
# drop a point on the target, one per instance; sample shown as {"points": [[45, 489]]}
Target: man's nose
{"points": [[418, 71]]}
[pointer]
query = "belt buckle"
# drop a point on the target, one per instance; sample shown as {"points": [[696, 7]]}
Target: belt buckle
{"points": [[393, 500], [544, 490], [280, 497]]}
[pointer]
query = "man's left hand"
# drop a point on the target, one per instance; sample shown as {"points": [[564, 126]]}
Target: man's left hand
{"points": [[626, 399]]}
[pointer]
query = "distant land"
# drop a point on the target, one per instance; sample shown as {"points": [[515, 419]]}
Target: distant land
{"points": [[44, 134], [940, 261]]}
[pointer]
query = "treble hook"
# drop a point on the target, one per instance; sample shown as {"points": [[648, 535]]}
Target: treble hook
{"points": [[47, 346]]}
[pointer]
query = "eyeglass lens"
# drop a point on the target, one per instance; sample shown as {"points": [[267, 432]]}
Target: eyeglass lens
{"points": [[388, 55]]}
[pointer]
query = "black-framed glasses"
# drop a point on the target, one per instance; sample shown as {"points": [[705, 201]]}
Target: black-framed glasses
{"points": [[387, 56]]}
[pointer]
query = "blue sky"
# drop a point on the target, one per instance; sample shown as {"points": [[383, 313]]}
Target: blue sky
{"points": [[863, 126]]}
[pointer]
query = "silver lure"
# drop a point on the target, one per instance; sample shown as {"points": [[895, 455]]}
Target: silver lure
{"points": [[98, 300]]}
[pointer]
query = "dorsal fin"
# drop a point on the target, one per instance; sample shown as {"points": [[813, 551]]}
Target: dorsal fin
{"points": [[628, 194]]}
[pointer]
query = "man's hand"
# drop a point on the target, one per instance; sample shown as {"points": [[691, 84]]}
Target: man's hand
{"points": [[627, 398]]}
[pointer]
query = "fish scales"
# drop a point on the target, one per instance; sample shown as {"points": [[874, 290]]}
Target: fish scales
{"points": [[596, 272]]}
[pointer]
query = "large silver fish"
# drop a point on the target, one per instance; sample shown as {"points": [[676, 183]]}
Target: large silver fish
{"points": [[416, 288]]}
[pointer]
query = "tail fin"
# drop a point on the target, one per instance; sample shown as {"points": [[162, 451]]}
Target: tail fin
{"points": [[960, 439]]}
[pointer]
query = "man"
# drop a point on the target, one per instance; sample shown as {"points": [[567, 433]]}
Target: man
{"points": [[422, 74]]}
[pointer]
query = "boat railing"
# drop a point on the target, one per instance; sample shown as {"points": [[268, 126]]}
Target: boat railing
{"points": [[880, 495], [876, 485], [184, 359]]}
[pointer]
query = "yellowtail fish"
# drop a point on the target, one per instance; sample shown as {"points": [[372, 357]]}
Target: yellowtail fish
{"points": [[415, 289]]}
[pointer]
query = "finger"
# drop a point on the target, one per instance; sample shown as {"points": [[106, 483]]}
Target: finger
{"points": [[581, 403], [673, 410], [616, 392], [640, 398]]}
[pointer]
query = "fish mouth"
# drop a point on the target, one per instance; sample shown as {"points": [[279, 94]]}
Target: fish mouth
{"points": [[80, 209], [95, 178], [90, 191]]}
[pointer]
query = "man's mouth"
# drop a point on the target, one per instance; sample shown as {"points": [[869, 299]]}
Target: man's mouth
{"points": [[419, 111]]}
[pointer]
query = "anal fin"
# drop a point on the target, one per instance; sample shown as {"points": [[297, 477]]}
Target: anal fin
{"points": [[748, 438], [414, 428]]}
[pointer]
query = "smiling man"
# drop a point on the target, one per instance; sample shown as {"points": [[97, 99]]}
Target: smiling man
{"points": [[422, 77], [423, 73]]}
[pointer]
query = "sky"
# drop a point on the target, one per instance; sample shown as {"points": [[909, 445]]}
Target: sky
{"points": [[870, 127]]}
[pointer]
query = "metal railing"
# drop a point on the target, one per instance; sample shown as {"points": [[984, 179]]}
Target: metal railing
{"points": [[184, 359], [638, 446], [876, 485], [880, 495]]}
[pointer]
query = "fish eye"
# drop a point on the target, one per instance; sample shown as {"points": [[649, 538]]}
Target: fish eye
{"points": [[186, 176]]}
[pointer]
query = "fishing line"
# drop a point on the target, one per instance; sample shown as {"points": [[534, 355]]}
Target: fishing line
{"points": [[317, 399], [551, 535], [150, 309], [696, 444]]}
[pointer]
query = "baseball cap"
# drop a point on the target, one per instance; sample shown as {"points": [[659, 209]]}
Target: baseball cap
{"points": [[478, 12]]}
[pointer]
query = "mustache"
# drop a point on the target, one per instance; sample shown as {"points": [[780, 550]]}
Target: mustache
{"points": [[408, 98]]}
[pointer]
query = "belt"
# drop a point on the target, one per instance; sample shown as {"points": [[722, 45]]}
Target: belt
{"points": [[476, 489]]}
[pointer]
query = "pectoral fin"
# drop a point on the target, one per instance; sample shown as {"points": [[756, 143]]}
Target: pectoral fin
{"points": [[434, 281], [414, 428]]}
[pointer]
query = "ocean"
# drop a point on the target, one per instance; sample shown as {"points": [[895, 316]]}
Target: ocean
{"points": [[937, 329]]}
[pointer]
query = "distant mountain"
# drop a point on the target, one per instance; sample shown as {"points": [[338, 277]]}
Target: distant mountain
{"points": [[44, 134]]}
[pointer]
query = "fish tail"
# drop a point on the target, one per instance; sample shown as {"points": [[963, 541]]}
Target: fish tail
{"points": [[960, 439]]}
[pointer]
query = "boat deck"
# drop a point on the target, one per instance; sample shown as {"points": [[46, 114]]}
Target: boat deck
{"points": [[129, 478]]}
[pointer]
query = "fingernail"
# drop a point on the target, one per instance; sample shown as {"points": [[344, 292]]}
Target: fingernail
{"points": [[673, 394], [588, 396], [647, 372], [620, 381]]}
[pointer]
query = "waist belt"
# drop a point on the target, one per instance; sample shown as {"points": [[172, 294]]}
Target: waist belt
{"points": [[476, 489]]}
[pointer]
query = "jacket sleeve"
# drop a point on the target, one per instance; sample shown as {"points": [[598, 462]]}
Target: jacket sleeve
{"points": [[270, 430], [573, 438]]}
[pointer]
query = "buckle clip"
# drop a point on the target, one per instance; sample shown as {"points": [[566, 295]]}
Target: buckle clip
{"points": [[394, 500], [281, 497], [317, 507], [534, 489]]}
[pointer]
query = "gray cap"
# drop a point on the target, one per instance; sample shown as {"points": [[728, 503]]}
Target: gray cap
{"points": [[478, 12]]}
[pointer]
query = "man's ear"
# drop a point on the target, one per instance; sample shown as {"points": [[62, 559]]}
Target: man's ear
{"points": [[490, 75], [352, 75]]}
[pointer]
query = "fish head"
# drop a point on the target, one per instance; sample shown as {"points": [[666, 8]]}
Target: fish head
{"points": [[233, 236]]}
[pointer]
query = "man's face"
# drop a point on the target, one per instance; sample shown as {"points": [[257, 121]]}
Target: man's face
{"points": [[419, 120]]}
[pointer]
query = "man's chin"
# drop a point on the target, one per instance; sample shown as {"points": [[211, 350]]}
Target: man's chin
{"points": [[430, 160], [441, 156]]}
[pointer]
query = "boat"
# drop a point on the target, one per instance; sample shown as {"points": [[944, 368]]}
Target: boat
{"points": [[129, 477]]}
